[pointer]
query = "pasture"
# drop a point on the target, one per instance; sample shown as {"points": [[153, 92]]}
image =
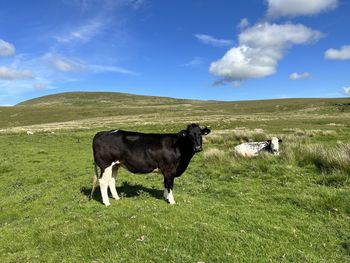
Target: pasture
{"points": [[294, 207]]}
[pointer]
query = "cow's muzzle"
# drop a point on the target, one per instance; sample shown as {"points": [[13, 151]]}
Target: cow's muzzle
{"points": [[198, 148]]}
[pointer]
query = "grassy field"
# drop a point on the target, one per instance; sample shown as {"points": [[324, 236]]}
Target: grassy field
{"points": [[291, 208]]}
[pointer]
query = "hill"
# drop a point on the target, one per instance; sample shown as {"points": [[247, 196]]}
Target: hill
{"points": [[102, 99], [105, 109]]}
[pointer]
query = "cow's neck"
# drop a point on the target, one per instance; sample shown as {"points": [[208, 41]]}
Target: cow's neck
{"points": [[187, 153]]}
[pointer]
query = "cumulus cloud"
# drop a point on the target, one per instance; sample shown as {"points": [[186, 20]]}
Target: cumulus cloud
{"points": [[14, 74], [244, 62], [276, 36], [259, 50], [6, 49], [291, 8], [297, 76], [346, 91], [210, 40], [338, 54]]}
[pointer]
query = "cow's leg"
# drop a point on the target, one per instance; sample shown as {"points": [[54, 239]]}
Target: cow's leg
{"points": [[94, 181], [112, 183], [168, 189], [104, 181]]}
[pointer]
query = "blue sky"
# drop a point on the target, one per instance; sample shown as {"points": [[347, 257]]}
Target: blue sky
{"points": [[213, 50]]}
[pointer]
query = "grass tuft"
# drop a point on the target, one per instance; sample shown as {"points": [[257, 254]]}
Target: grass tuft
{"points": [[328, 159], [214, 155]]}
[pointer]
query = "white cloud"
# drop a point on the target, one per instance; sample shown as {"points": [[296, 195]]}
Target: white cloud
{"points": [[39, 86], [297, 76], [110, 5], [14, 74], [103, 68], [136, 4], [278, 36], [210, 40], [84, 32], [196, 61], [64, 64], [338, 54], [346, 90], [291, 8], [244, 23], [260, 48], [244, 62], [6, 49]]}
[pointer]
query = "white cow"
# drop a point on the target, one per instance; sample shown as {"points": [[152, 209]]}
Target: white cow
{"points": [[250, 149]]}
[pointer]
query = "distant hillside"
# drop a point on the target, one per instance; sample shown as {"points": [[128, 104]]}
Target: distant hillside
{"points": [[103, 107], [97, 99]]}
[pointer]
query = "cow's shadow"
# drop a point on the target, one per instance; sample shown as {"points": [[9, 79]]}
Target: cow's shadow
{"points": [[126, 190]]}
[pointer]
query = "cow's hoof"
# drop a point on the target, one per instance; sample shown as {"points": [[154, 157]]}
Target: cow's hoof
{"points": [[116, 198], [107, 204], [171, 202]]}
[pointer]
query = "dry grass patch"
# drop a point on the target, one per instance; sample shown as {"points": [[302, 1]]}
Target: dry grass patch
{"points": [[310, 133], [214, 155], [329, 159], [235, 136]]}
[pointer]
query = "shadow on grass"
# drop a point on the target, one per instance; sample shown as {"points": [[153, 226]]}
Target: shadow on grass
{"points": [[125, 190]]}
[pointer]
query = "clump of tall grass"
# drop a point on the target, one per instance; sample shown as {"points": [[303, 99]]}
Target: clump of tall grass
{"points": [[235, 136], [328, 159], [310, 133], [214, 155], [250, 135]]}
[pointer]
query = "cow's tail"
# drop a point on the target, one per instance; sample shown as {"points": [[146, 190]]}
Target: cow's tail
{"points": [[94, 181]]}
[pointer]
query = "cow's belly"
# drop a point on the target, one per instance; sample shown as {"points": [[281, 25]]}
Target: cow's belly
{"points": [[245, 151], [139, 166]]}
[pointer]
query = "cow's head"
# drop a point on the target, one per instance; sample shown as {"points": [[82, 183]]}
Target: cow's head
{"points": [[273, 145], [194, 134]]}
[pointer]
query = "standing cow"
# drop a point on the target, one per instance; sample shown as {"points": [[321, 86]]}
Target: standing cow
{"points": [[143, 153]]}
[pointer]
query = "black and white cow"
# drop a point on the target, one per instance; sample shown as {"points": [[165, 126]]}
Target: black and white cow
{"points": [[249, 149], [143, 153]]}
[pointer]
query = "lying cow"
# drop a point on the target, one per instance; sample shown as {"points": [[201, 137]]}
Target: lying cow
{"points": [[249, 149], [143, 153]]}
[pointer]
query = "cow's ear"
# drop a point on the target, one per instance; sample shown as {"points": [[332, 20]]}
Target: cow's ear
{"points": [[183, 133], [205, 131], [280, 140]]}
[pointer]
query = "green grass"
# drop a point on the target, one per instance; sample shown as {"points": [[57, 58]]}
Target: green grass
{"points": [[229, 209]]}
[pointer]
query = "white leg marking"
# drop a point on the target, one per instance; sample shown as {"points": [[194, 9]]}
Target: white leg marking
{"points": [[111, 185], [104, 182], [104, 191], [171, 198]]}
